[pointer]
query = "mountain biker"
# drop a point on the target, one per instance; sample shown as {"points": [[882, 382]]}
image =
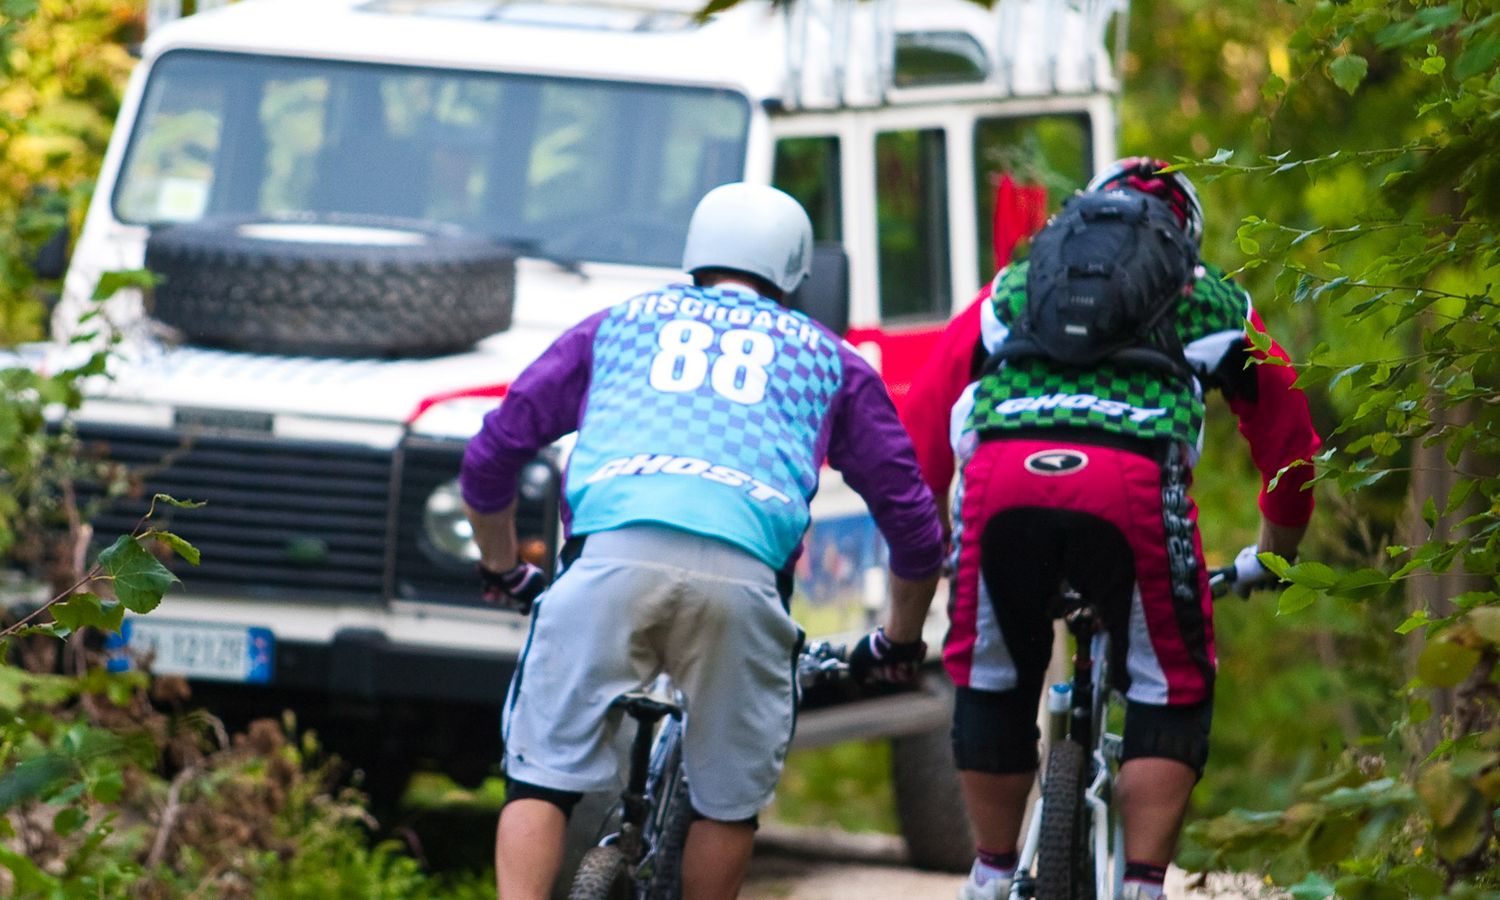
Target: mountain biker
{"points": [[1081, 473], [703, 413]]}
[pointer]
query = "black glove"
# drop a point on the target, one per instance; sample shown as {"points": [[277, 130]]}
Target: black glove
{"points": [[515, 589], [877, 659]]}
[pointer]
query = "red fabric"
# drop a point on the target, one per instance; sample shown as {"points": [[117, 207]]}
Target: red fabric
{"points": [[936, 386], [902, 353], [1020, 210], [1278, 426], [1117, 486]]}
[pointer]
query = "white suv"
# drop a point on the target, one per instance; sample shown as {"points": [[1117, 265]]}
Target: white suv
{"points": [[369, 215]]}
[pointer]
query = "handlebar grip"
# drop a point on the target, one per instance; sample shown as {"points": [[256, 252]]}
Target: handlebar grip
{"points": [[1220, 580]]}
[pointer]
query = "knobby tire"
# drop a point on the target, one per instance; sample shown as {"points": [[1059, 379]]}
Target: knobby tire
{"points": [[603, 874], [1065, 855]]}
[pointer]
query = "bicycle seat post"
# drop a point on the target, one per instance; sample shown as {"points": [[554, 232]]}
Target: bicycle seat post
{"points": [[646, 711], [1082, 622]]}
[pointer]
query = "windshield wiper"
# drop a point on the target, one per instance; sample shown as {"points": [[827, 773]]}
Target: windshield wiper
{"points": [[531, 248]]}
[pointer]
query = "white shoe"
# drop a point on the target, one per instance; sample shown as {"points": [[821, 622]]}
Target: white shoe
{"points": [[1135, 891], [994, 889]]}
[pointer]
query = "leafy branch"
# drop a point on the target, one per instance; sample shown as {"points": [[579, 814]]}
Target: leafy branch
{"points": [[138, 578]]}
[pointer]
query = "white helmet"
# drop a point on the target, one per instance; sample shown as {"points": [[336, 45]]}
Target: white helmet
{"points": [[752, 228]]}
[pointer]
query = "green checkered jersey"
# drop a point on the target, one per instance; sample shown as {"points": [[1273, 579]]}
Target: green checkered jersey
{"points": [[1033, 392]]}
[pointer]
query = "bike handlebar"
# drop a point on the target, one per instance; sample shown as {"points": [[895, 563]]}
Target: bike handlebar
{"points": [[1220, 580], [821, 663]]}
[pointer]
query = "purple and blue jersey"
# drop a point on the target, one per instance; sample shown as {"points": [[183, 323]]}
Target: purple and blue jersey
{"points": [[710, 410]]}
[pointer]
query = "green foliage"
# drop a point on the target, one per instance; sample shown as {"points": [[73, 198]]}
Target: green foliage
{"points": [[62, 65], [845, 786], [1395, 251]]}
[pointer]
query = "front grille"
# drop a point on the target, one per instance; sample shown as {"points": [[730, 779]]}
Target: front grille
{"points": [[279, 517]]}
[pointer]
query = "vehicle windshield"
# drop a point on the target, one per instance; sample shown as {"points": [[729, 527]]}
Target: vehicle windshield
{"points": [[560, 167]]}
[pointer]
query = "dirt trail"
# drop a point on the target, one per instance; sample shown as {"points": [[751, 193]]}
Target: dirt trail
{"points": [[819, 864]]}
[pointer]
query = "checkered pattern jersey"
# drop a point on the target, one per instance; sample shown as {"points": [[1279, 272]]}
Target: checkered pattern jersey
{"points": [[750, 406], [1215, 309]]}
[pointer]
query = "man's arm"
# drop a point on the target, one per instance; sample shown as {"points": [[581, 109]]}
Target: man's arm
{"points": [[869, 446], [495, 535], [910, 600], [545, 403], [1276, 422]]}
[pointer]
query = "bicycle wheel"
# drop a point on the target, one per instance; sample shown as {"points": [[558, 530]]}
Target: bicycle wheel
{"points": [[602, 875], [671, 817], [1065, 865]]}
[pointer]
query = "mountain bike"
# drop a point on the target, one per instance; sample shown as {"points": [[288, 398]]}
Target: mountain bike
{"points": [[642, 858], [1074, 843]]}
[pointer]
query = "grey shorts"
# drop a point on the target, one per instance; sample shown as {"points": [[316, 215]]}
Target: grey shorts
{"points": [[640, 601]]}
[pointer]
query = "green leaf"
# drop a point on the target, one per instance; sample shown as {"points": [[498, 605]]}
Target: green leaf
{"points": [[1311, 574], [180, 504], [1313, 887], [1419, 881], [33, 778], [140, 580], [1361, 583], [1348, 71], [68, 820], [85, 610], [30, 880], [112, 282], [1434, 65], [1295, 599], [1445, 663], [108, 786], [179, 546], [1477, 57], [1466, 833], [1413, 622]]}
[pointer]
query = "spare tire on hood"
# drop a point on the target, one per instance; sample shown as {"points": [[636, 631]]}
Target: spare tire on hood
{"points": [[330, 285]]}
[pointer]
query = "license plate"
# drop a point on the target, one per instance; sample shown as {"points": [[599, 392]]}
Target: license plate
{"points": [[211, 652]]}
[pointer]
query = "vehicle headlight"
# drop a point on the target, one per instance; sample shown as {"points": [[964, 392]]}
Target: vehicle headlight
{"points": [[449, 534], [446, 527]]}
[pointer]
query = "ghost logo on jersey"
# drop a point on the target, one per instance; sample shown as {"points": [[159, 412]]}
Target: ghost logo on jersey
{"points": [[1056, 462]]}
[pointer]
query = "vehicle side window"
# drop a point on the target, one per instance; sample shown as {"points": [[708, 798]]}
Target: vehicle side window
{"points": [[810, 169], [912, 221], [1043, 155]]}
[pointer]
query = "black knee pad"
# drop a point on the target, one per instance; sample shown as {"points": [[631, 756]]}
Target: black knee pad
{"points": [[995, 731], [1168, 732], [521, 790]]}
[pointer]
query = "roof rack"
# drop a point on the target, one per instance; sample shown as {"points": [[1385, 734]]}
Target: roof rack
{"points": [[843, 53], [847, 52]]}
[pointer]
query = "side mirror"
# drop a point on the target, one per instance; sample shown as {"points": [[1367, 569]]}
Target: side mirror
{"points": [[51, 260], [825, 294]]}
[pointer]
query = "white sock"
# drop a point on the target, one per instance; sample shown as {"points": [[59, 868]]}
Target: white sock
{"points": [[1152, 889], [984, 874]]}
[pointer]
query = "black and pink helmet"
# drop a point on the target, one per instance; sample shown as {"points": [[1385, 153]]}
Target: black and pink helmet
{"points": [[1144, 174]]}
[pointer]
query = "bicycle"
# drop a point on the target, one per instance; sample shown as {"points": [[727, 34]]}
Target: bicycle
{"points": [[1074, 843], [642, 859]]}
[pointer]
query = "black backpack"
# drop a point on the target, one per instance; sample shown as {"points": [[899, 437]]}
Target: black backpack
{"points": [[1104, 277]]}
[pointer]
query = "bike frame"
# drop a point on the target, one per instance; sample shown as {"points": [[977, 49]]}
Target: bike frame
{"points": [[1087, 725], [643, 803]]}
